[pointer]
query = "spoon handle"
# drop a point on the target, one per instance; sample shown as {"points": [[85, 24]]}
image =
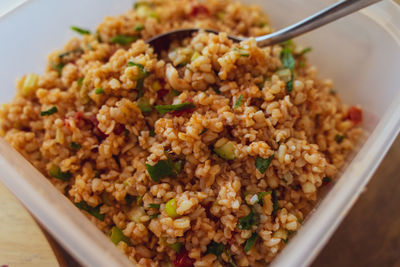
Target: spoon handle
{"points": [[329, 14]]}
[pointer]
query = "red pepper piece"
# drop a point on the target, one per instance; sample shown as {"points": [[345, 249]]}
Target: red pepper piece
{"points": [[161, 93], [355, 114], [198, 10], [119, 129], [183, 260]]}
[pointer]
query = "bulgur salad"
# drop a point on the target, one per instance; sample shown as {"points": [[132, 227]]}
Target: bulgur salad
{"points": [[210, 154]]}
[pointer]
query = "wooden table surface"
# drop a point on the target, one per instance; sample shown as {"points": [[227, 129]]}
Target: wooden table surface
{"points": [[369, 235]]}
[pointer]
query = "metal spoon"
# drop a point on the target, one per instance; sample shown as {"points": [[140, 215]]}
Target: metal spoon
{"points": [[325, 16]]}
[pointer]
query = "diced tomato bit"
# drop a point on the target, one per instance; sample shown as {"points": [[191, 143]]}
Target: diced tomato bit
{"points": [[355, 114], [67, 123], [161, 93], [78, 116], [119, 129], [182, 259], [198, 10]]}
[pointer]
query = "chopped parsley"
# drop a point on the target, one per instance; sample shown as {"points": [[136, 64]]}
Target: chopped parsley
{"points": [[263, 164], [250, 242], [80, 81], [175, 246], [339, 138], [238, 102], [215, 248], [49, 112], [99, 91], [152, 133], [246, 222], [275, 203], [231, 262], [154, 206], [162, 109], [289, 63], [327, 179], [260, 196], [204, 131], [94, 211], [123, 39], [155, 215], [80, 30], [304, 51], [162, 169], [144, 105], [143, 73], [56, 172], [139, 27], [216, 90], [175, 92], [58, 67], [75, 146], [129, 199]]}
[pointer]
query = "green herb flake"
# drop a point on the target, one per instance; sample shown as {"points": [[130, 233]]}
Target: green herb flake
{"points": [[289, 44], [263, 164], [139, 27], [99, 91], [274, 202], [241, 52], [175, 92], [246, 222], [287, 59], [215, 248], [152, 133], [80, 81], [144, 105], [126, 133], [260, 196], [289, 84], [80, 30], [327, 179], [216, 90], [154, 216], [123, 39], [204, 131], [75, 146], [162, 109], [250, 242], [238, 102], [117, 236], [339, 138], [129, 199], [231, 261], [154, 206], [162, 169], [94, 211], [139, 201], [49, 112], [333, 92], [304, 51], [58, 67], [178, 166], [175, 246], [56, 172]]}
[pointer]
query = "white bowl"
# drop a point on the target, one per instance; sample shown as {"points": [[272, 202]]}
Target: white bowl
{"points": [[360, 53]]}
